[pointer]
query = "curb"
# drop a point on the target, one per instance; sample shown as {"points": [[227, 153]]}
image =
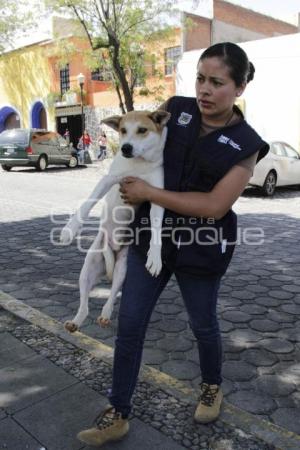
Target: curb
{"points": [[268, 432]]}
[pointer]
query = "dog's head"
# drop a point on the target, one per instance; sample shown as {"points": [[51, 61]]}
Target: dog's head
{"points": [[142, 133]]}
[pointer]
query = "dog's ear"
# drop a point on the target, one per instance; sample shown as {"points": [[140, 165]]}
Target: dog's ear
{"points": [[112, 121], [160, 117]]}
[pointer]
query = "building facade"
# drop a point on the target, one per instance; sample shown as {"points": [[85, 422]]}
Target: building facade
{"points": [[24, 85], [100, 97], [233, 23], [38, 89]]}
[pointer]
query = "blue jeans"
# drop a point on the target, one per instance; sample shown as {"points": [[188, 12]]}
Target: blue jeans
{"points": [[139, 295]]}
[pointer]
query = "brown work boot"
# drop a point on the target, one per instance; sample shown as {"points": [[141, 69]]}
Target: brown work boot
{"points": [[109, 426], [208, 408]]}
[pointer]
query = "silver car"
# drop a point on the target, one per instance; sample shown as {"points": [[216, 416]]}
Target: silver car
{"points": [[281, 167]]}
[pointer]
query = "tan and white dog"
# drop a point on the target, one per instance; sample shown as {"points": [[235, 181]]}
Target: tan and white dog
{"points": [[142, 139]]}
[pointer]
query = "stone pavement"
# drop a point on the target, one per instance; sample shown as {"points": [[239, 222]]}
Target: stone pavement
{"points": [[258, 304], [52, 387]]}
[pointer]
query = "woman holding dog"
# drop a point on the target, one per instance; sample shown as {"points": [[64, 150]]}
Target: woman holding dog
{"points": [[209, 158]]}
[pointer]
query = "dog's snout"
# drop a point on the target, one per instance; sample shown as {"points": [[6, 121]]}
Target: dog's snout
{"points": [[127, 150]]}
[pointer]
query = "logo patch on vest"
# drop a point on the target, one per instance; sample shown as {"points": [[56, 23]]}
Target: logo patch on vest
{"points": [[226, 140], [184, 119]]}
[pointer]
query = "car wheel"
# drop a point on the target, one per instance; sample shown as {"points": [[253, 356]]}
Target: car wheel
{"points": [[42, 163], [6, 168], [73, 162], [269, 184]]}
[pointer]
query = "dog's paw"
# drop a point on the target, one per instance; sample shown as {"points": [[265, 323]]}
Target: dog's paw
{"points": [[69, 232], [104, 323], [70, 326], [154, 264], [154, 269], [104, 318], [66, 236]]}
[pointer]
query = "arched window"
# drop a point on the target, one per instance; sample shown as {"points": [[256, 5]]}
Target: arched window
{"points": [[9, 118], [39, 116]]}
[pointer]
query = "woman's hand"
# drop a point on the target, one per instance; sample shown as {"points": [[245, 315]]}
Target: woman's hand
{"points": [[134, 190]]}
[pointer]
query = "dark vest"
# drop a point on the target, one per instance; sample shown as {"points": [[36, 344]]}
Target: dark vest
{"points": [[197, 246]]}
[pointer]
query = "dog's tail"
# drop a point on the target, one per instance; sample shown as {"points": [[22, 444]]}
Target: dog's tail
{"points": [[109, 258]]}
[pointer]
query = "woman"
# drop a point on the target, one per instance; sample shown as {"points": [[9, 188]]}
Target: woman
{"points": [[86, 140], [66, 135], [209, 157], [102, 142], [83, 148]]}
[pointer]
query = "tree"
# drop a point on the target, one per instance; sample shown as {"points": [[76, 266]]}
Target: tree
{"points": [[118, 32], [15, 20]]}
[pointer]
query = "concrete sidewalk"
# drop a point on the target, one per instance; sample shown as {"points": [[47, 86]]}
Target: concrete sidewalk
{"points": [[43, 406], [53, 384]]}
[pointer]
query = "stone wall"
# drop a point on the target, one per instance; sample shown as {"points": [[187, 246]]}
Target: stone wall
{"points": [[93, 117]]}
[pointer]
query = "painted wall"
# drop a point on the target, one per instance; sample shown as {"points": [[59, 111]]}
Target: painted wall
{"points": [[250, 20], [222, 32], [102, 93], [25, 80], [229, 22]]}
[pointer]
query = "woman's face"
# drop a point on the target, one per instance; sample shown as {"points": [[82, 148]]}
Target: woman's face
{"points": [[215, 89]]}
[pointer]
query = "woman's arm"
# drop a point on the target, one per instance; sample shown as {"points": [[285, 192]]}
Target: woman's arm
{"points": [[195, 204]]}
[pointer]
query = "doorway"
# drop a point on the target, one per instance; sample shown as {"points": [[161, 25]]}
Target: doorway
{"points": [[12, 121], [73, 124]]}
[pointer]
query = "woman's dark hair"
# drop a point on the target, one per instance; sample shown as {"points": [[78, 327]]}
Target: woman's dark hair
{"points": [[241, 69]]}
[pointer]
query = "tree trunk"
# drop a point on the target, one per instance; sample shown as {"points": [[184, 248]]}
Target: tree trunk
{"points": [[119, 71]]}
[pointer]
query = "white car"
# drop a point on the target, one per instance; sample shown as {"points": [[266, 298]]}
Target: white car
{"points": [[280, 167]]}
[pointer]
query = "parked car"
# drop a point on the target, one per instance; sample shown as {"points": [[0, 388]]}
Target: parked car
{"points": [[34, 147], [281, 167]]}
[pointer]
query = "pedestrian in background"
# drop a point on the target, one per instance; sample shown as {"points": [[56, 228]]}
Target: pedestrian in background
{"points": [[209, 156], [66, 135], [102, 142], [83, 148], [85, 140]]}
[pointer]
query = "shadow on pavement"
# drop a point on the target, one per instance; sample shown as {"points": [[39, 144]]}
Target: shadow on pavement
{"points": [[258, 308]]}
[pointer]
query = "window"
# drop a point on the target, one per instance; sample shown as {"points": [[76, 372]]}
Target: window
{"points": [[277, 149], [14, 136], [52, 138], [172, 56], [290, 152], [62, 142], [101, 75], [139, 77], [139, 82], [64, 79], [43, 138], [151, 65]]}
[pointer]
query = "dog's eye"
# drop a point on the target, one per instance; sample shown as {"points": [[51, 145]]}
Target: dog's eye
{"points": [[123, 130], [142, 130]]}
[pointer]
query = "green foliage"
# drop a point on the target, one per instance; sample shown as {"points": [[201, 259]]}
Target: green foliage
{"points": [[52, 98], [75, 90], [63, 50], [15, 20], [119, 32], [113, 144]]}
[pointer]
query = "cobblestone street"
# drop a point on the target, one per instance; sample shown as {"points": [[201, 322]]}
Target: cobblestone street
{"points": [[259, 301]]}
